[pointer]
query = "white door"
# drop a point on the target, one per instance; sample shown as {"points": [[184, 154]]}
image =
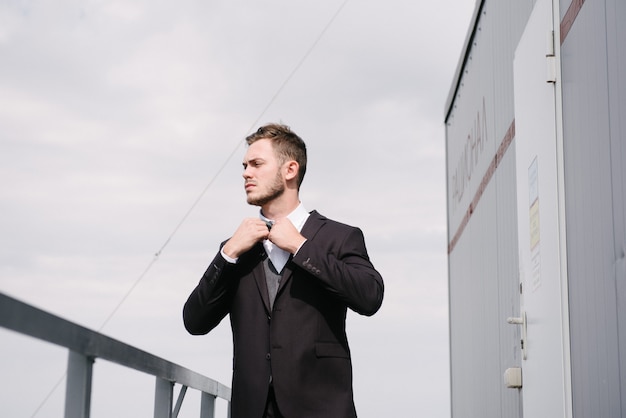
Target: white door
{"points": [[543, 316]]}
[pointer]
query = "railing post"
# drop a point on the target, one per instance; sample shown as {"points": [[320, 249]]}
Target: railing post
{"points": [[163, 398], [78, 387], [207, 406]]}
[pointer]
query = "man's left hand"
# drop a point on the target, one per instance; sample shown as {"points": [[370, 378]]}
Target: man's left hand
{"points": [[284, 235]]}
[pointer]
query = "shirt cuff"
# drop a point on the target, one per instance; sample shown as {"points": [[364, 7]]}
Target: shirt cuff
{"points": [[227, 258], [299, 247]]}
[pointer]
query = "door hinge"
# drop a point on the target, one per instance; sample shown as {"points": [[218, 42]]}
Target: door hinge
{"points": [[550, 58]]}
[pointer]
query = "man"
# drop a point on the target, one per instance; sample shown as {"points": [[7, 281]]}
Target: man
{"points": [[286, 278]]}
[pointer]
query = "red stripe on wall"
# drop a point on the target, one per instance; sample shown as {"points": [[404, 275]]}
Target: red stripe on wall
{"points": [[495, 162], [570, 17]]}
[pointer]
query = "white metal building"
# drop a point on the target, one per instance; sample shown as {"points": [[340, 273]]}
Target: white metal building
{"points": [[536, 177]]}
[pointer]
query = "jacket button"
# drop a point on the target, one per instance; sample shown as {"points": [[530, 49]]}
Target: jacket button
{"points": [[268, 356]]}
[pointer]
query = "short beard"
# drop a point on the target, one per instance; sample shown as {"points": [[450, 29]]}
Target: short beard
{"points": [[276, 189]]}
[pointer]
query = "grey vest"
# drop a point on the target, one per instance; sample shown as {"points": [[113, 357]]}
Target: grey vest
{"points": [[272, 278]]}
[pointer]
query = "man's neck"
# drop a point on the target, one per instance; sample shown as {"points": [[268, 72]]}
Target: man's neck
{"points": [[279, 209]]}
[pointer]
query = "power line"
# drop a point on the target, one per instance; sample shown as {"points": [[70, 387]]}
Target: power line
{"points": [[223, 166], [157, 255]]}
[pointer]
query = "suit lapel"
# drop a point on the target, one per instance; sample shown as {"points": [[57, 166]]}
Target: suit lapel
{"points": [[258, 272]]}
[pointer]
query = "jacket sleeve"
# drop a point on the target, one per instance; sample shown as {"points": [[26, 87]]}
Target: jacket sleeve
{"points": [[210, 301], [341, 263]]}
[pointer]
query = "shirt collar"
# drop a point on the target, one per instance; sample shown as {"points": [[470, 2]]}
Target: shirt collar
{"points": [[298, 217]]}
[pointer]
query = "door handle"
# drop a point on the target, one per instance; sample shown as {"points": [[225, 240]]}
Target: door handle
{"points": [[521, 320]]}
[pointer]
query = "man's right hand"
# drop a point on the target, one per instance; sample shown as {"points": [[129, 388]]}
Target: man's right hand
{"points": [[251, 231]]}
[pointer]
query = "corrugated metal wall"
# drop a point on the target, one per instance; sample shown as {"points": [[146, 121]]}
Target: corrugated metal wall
{"points": [[483, 263], [594, 131], [482, 218]]}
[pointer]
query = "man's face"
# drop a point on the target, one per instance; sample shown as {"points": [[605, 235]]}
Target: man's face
{"points": [[264, 181]]}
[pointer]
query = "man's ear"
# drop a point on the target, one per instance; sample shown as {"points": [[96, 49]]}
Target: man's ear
{"points": [[291, 169]]}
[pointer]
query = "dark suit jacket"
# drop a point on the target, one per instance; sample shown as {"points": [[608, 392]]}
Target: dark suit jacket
{"points": [[302, 342]]}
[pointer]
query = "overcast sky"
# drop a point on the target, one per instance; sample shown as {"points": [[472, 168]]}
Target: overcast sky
{"points": [[117, 116]]}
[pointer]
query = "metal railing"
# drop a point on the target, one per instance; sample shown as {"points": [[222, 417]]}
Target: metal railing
{"points": [[85, 346]]}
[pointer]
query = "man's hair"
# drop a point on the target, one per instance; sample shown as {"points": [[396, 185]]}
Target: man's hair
{"points": [[287, 145]]}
